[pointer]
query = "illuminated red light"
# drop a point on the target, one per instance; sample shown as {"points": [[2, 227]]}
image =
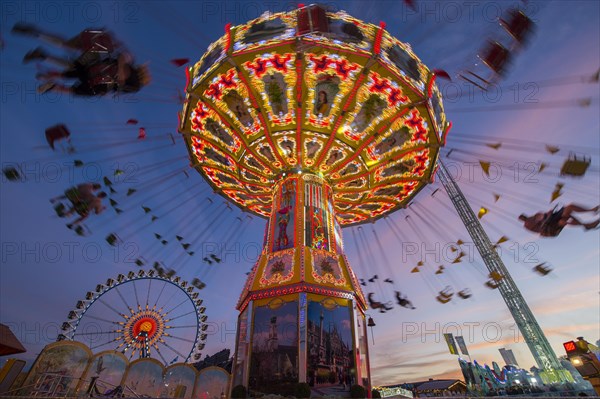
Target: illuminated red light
{"points": [[570, 346]]}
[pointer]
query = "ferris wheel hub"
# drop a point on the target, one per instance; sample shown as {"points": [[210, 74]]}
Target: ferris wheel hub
{"points": [[144, 326]]}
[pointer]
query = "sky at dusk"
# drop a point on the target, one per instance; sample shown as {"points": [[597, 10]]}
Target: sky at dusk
{"points": [[543, 100]]}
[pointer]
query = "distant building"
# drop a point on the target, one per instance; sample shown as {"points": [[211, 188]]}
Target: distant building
{"points": [[220, 359], [433, 388], [441, 388]]}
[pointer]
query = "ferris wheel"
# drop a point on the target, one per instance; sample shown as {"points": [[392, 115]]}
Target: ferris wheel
{"points": [[143, 314]]}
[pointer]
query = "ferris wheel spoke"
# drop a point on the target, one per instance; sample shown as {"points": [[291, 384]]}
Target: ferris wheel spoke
{"points": [[148, 295], [106, 343], [169, 300], [111, 308], [182, 302], [160, 354], [123, 299], [98, 333], [180, 316], [190, 326], [174, 350], [101, 319], [136, 295], [160, 294], [179, 338], [129, 345]]}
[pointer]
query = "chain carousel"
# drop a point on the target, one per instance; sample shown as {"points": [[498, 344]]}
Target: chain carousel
{"points": [[316, 121]]}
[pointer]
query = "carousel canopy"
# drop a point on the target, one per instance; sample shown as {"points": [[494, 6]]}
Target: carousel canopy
{"points": [[311, 91]]}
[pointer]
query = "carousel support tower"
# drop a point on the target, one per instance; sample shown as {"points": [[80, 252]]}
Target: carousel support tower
{"points": [[313, 120], [534, 336]]}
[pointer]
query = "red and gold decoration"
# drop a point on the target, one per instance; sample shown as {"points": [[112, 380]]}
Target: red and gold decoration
{"points": [[142, 329], [314, 120]]}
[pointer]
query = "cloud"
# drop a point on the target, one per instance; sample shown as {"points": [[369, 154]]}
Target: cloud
{"points": [[401, 364], [570, 331]]}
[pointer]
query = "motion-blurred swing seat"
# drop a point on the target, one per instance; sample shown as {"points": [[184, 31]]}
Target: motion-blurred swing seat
{"points": [[492, 284], [496, 276], [98, 48], [96, 45], [312, 18], [56, 133], [60, 210], [446, 292], [541, 269], [97, 41], [518, 25], [574, 166], [445, 295], [496, 57]]}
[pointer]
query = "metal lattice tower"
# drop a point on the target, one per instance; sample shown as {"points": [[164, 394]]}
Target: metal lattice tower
{"points": [[534, 336]]}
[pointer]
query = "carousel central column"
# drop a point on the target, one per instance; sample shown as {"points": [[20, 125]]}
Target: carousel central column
{"points": [[302, 311]]}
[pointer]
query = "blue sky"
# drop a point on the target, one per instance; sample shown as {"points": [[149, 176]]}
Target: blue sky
{"points": [[46, 268]]}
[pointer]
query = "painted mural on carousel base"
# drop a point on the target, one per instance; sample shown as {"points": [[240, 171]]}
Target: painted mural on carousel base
{"points": [[69, 368]]}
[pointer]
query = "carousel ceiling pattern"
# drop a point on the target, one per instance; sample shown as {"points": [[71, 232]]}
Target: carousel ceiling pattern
{"points": [[338, 97]]}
